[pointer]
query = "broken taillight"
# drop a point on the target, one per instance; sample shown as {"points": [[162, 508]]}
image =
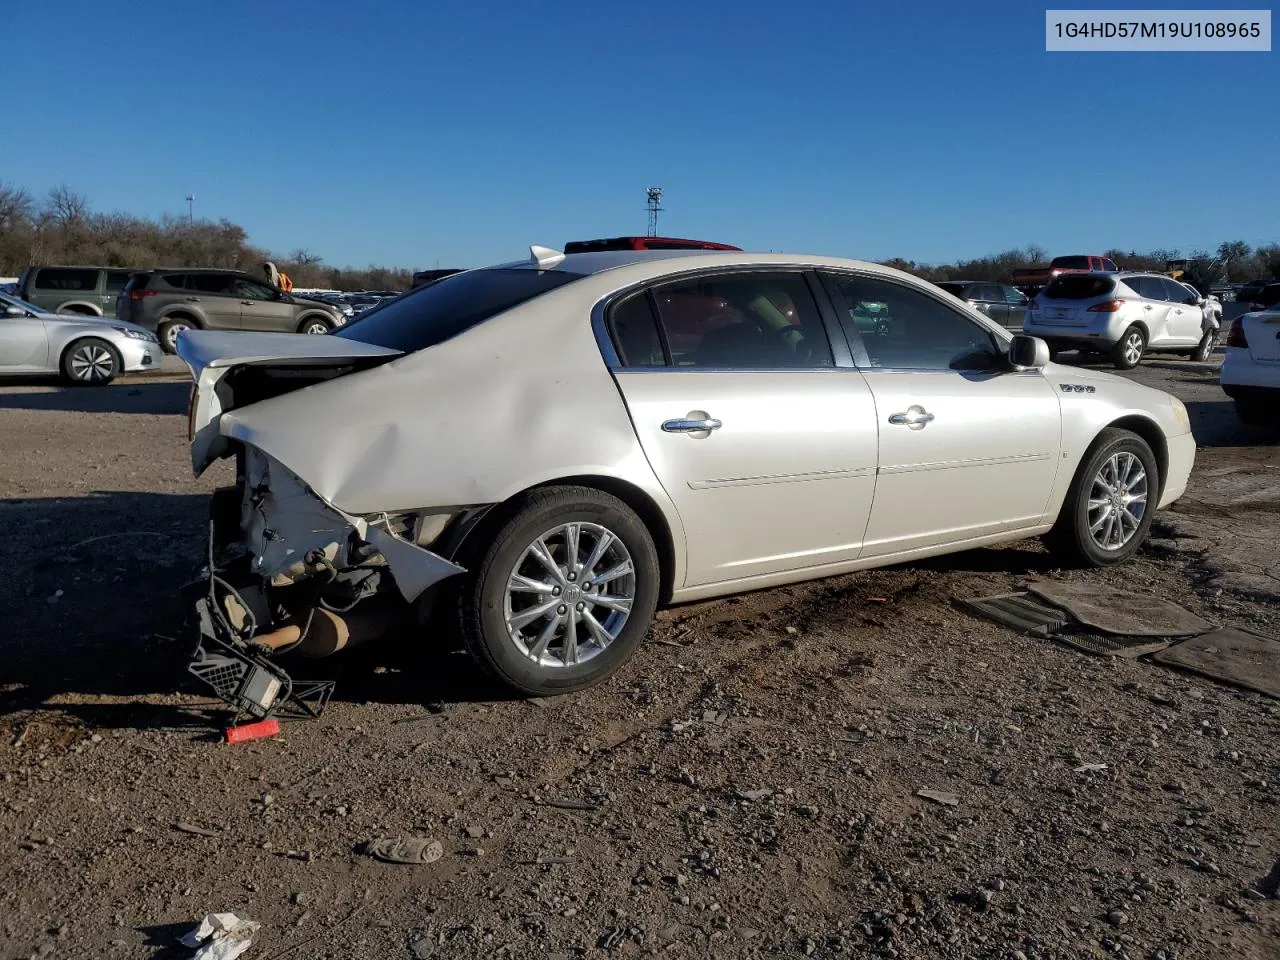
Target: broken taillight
{"points": [[1235, 335]]}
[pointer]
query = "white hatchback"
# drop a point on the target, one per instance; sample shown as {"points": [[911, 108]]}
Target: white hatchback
{"points": [[561, 444]]}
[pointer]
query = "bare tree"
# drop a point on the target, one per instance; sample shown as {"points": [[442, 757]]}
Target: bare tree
{"points": [[16, 207], [65, 207]]}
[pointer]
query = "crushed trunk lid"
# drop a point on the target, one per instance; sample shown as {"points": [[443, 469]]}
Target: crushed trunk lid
{"points": [[232, 369]]}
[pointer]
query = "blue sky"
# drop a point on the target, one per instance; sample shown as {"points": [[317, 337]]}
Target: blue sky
{"points": [[407, 133]]}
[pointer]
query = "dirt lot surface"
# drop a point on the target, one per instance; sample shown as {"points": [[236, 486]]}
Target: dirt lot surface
{"points": [[747, 786]]}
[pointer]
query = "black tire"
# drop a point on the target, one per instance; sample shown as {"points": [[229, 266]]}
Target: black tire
{"points": [[1205, 349], [1121, 354], [169, 329], [1071, 539], [496, 556], [90, 362], [312, 324]]}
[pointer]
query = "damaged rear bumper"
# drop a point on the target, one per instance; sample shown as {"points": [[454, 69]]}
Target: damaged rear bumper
{"points": [[286, 572]]}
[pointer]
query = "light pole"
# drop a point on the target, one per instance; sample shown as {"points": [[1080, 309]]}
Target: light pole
{"points": [[191, 208]]}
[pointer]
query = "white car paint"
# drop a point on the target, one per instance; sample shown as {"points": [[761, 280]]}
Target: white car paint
{"points": [[1256, 366], [805, 479]]}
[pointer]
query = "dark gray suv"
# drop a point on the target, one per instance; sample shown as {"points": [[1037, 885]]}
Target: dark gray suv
{"points": [[170, 301]]}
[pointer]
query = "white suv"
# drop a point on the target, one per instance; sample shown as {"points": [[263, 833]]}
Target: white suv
{"points": [[1122, 315], [1251, 369]]}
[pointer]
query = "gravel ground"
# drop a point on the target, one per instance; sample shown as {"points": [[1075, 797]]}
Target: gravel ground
{"points": [[747, 786]]}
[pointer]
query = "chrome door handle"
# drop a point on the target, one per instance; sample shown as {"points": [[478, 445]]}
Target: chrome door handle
{"points": [[691, 426], [915, 418], [1147, 307], [193, 299]]}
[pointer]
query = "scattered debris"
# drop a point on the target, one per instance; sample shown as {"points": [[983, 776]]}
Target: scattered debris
{"points": [[405, 850], [198, 831], [1118, 611], [565, 804], [221, 936], [753, 795], [260, 730], [1231, 655], [939, 796], [1091, 768]]}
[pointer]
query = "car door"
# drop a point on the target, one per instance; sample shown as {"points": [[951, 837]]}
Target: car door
{"points": [[263, 308], [991, 298], [24, 345], [968, 447], [213, 295], [1016, 307], [766, 447], [1185, 320], [113, 282], [1155, 307]]}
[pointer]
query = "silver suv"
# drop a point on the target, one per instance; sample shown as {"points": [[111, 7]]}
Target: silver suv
{"points": [[1121, 315], [170, 301]]}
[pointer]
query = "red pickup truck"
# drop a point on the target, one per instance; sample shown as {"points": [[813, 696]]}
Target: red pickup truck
{"points": [[1075, 263]]}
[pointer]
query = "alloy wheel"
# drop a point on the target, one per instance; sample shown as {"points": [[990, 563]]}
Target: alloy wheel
{"points": [[1133, 348], [92, 363], [1117, 501], [171, 334], [315, 328], [569, 595]]}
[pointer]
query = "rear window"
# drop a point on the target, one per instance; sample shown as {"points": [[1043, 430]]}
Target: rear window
{"points": [[54, 278], [433, 314], [1078, 287], [955, 289], [1070, 263]]}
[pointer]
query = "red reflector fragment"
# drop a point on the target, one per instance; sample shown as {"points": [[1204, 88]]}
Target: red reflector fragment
{"points": [[253, 731]]}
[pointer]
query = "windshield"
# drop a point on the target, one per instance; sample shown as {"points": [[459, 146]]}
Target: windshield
{"points": [[433, 314], [14, 301]]}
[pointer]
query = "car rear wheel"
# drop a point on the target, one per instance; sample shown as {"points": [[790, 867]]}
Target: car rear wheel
{"points": [[1108, 510], [1205, 349], [1128, 352], [169, 330], [90, 361], [562, 593], [315, 326]]}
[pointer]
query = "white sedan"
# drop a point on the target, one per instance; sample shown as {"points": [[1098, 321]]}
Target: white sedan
{"points": [[560, 445], [1250, 372]]}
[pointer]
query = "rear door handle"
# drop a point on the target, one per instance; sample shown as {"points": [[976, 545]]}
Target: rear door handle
{"points": [[692, 426], [916, 417]]}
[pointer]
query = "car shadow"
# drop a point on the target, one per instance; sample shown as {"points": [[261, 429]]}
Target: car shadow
{"points": [[96, 628], [152, 398], [1214, 424]]}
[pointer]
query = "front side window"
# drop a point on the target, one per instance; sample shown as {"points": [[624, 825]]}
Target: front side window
{"points": [[251, 290], [745, 321], [1014, 297], [906, 329], [67, 281]]}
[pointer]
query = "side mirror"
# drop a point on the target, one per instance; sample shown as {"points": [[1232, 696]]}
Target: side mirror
{"points": [[12, 311], [1028, 353]]}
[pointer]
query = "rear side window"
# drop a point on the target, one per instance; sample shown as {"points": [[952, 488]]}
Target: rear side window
{"points": [[634, 332], [743, 321], [210, 282], [955, 289], [58, 278], [432, 314], [1070, 263], [1078, 287]]}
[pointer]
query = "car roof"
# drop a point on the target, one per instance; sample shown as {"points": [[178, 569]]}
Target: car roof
{"points": [[647, 264]]}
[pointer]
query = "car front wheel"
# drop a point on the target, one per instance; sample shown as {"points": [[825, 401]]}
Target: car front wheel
{"points": [[91, 361], [1108, 510], [562, 593], [315, 326], [1128, 352]]}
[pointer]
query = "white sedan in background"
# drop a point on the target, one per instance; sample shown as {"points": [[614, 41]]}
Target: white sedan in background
{"points": [[83, 349], [1250, 372], [561, 444]]}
